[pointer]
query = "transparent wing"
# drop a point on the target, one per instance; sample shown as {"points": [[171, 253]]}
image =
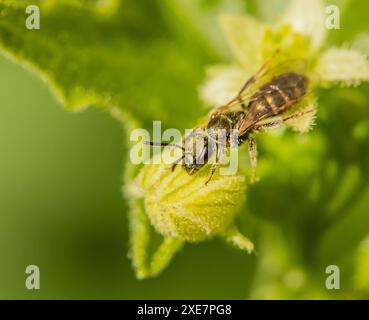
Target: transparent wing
{"points": [[261, 88], [265, 74]]}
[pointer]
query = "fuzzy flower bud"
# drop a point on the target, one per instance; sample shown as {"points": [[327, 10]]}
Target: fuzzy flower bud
{"points": [[182, 206]]}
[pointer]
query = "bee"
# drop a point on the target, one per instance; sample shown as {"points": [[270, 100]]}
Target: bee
{"points": [[264, 102]]}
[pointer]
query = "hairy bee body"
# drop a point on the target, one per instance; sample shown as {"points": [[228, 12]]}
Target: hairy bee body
{"points": [[273, 98], [261, 104]]}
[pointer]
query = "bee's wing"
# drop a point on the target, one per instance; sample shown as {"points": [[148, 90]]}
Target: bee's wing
{"points": [[265, 74], [257, 88], [298, 66]]}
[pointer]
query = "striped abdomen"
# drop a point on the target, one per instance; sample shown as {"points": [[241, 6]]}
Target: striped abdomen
{"points": [[275, 97]]}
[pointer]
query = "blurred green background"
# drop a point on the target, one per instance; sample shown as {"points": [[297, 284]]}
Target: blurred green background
{"points": [[61, 205], [61, 208]]}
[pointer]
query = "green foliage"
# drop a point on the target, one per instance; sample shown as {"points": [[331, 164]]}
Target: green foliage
{"points": [[143, 61], [124, 59]]}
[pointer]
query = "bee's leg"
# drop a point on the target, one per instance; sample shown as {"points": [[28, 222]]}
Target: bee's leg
{"points": [[275, 122], [175, 163], [253, 153], [215, 165], [184, 143], [270, 124], [213, 169], [299, 114], [301, 120]]}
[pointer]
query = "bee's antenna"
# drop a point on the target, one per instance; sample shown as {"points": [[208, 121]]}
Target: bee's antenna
{"points": [[163, 144]]}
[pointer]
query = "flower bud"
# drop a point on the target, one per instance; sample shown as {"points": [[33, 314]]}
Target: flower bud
{"points": [[182, 206]]}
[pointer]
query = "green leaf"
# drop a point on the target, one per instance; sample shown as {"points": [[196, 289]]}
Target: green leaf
{"points": [[128, 57], [141, 234], [202, 17], [118, 55]]}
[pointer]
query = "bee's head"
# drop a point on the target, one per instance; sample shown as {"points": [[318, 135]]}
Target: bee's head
{"points": [[197, 154]]}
